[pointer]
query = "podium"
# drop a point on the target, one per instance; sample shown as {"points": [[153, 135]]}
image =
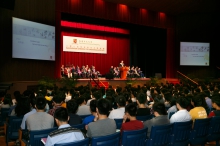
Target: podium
{"points": [[123, 71]]}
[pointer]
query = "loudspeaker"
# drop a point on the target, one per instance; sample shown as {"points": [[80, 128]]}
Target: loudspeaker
{"points": [[109, 76], [158, 75], [7, 4]]}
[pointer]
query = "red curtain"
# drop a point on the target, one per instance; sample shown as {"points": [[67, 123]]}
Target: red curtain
{"points": [[118, 47]]}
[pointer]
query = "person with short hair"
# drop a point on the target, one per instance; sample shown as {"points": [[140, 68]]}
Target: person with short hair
{"points": [[141, 101], [65, 133], [83, 108], [182, 115], [90, 118], [130, 114], [72, 108], [40, 120], [103, 125], [57, 102], [119, 112], [160, 118], [216, 105]]}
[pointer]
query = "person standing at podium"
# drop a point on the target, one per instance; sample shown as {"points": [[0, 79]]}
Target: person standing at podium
{"points": [[121, 64]]}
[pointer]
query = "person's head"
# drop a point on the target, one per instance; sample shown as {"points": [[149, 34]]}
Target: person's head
{"points": [[199, 100], [216, 101], [61, 116], [72, 106], [159, 109], [81, 100], [23, 106], [59, 97], [40, 103], [103, 106], [141, 98], [182, 102], [121, 101], [130, 110], [93, 105]]}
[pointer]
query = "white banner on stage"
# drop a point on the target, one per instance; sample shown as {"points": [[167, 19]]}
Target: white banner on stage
{"points": [[85, 45]]}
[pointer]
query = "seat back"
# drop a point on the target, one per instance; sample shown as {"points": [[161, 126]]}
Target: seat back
{"points": [[13, 125], [160, 135], [118, 123], [79, 126], [84, 142], [200, 131], [36, 135], [4, 115], [180, 133], [214, 129], [84, 116], [109, 140], [134, 137], [144, 118]]}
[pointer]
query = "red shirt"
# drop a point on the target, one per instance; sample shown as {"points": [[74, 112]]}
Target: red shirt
{"points": [[132, 125]]}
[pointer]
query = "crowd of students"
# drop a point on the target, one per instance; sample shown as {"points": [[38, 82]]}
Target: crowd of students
{"points": [[61, 108]]}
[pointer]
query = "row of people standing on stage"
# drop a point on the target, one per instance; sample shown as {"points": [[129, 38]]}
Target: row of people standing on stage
{"points": [[76, 71], [133, 72]]}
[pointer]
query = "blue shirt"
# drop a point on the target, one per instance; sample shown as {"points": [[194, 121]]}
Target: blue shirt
{"points": [[64, 137], [25, 117], [88, 119]]}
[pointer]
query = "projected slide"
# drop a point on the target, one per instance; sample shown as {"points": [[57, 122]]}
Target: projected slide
{"points": [[194, 53], [31, 40]]}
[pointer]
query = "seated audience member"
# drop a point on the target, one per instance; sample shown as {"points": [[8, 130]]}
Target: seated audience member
{"points": [[103, 125], [22, 107], [72, 108], [173, 107], [33, 110], [57, 102], [160, 118], [7, 102], [119, 112], [199, 104], [83, 108], [90, 118], [141, 101], [182, 115], [40, 119], [65, 133], [216, 105], [207, 99], [130, 114]]}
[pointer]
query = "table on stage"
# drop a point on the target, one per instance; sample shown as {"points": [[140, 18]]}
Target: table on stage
{"points": [[124, 71]]}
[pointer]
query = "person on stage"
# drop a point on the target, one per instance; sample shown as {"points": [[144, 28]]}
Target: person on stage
{"points": [[121, 64], [62, 71]]}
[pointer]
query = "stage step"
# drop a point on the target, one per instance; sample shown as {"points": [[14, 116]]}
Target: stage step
{"points": [[100, 83], [173, 81]]}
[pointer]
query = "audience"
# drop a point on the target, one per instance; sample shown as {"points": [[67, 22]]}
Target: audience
{"points": [[57, 102], [141, 101], [90, 118], [72, 108], [215, 105], [182, 114], [65, 133], [102, 125], [119, 112], [83, 108]]}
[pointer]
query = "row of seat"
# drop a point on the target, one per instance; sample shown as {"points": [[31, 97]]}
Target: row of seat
{"points": [[176, 134]]}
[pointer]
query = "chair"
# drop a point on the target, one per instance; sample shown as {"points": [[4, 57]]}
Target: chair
{"points": [[214, 130], [84, 116], [84, 142], [118, 123], [160, 135], [4, 115], [144, 118], [108, 140], [12, 127], [200, 130], [36, 135], [171, 113], [180, 133], [134, 137], [79, 126]]}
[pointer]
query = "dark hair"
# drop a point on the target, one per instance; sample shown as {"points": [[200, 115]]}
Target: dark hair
{"points": [[103, 106], [41, 103], [131, 108], [173, 100], [80, 100], [23, 106], [61, 114], [72, 106], [182, 101], [58, 98], [121, 100], [141, 97], [160, 108], [216, 99], [33, 101], [93, 105], [199, 100]]}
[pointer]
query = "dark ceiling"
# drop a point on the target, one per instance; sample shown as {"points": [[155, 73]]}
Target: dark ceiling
{"points": [[174, 7]]}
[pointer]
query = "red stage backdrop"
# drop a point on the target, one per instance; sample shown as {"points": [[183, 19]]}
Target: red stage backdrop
{"points": [[118, 46]]}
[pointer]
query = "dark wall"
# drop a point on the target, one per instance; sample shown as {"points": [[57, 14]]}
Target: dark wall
{"points": [[200, 28], [42, 11]]}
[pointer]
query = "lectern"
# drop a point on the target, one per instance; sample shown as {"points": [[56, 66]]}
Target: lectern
{"points": [[124, 71]]}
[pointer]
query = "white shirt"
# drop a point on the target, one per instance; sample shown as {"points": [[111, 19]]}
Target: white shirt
{"points": [[180, 116], [117, 113]]}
